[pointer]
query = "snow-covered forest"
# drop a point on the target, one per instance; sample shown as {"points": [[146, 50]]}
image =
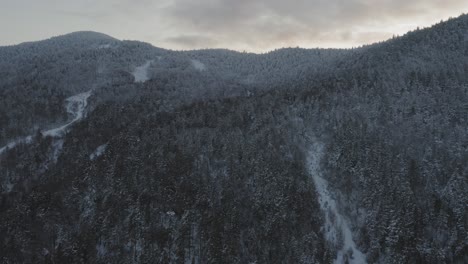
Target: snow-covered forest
{"points": [[120, 152]]}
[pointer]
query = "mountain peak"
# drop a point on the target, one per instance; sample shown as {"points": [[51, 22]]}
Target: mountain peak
{"points": [[87, 35]]}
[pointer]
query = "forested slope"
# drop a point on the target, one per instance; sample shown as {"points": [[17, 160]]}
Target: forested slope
{"points": [[210, 164]]}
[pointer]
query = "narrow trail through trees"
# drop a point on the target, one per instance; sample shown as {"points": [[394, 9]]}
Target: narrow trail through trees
{"points": [[75, 105], [337, 229]]}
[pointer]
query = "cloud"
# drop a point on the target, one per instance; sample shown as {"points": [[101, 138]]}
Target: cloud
{"points": [[266, 23], [254, 25]]}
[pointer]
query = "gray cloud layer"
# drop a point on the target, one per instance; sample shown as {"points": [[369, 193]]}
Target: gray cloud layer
{"points": [[239, 24], [268, 23]]}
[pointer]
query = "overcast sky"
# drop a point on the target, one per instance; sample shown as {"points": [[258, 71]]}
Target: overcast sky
{"points": [[252, 25]]}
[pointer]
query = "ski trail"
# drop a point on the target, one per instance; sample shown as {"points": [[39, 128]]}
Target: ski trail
{"points": [[75, 105], [337, 229], [141, 73]]}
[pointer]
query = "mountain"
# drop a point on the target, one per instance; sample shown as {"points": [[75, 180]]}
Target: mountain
{"points": [[117, 152]]}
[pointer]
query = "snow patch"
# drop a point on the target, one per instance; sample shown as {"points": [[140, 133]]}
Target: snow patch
{"points": [[101, 250], [98, 152], [141, 72], [57, 147], [104, 46], [13, 144], [170, 213], [8, 186], [198, 65], [336, 226]]}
